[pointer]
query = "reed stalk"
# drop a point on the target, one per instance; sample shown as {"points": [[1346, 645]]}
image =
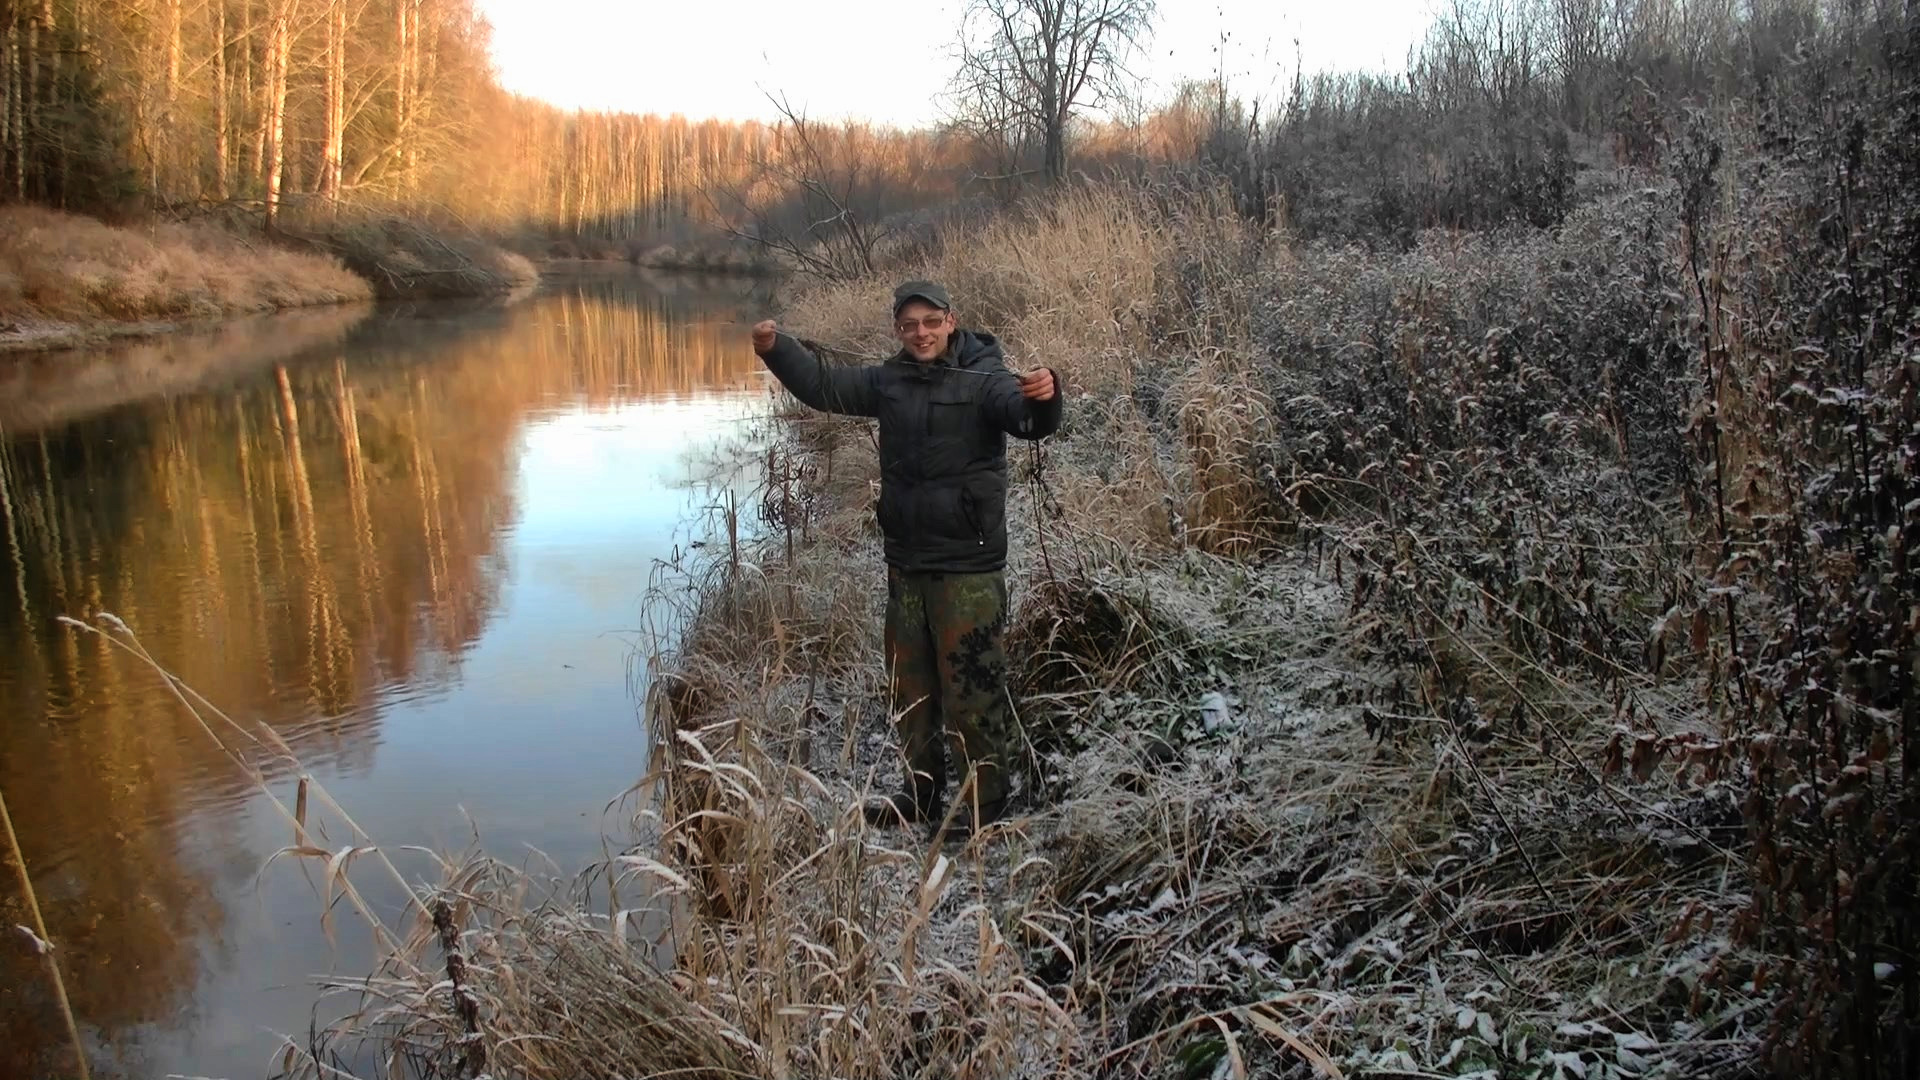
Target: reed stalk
{"points": [[43, 943]]}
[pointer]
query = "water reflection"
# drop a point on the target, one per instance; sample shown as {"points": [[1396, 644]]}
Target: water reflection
{"points": [[420, 522], [43, 391]]}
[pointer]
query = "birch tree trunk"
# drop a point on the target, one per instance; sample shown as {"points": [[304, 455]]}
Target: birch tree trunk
{"points": [[403, 83], [256, 161], [336, 104], [173, 55], [426, 72], [78, 30], [30, 98], [12, 111], [222, 178], [166, 137], [279, 33], [49, 89]]}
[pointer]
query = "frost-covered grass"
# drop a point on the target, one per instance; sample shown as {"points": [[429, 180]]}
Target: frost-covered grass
{"points": [[1256, 837], [1482, 658]]}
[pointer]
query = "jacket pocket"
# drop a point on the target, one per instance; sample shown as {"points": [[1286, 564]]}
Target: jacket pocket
{"points": [[953, 411], [970, 512], [983, 498]]}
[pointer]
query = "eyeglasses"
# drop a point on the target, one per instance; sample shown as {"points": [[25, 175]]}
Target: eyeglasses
{"points": [[932, 322]]}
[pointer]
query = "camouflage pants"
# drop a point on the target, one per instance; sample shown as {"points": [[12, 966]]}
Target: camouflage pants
{"points": [[948, 675]]}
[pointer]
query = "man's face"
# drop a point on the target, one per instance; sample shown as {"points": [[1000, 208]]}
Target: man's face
{"points": [[923, 329]]}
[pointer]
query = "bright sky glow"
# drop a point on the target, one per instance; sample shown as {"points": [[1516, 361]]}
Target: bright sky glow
{"points": [[887, 60]]}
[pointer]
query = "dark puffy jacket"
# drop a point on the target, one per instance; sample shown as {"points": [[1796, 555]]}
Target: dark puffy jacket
{"points": [[943, 443]]}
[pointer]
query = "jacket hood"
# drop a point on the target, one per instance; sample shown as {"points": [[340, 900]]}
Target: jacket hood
{"points": [[976, 347]]}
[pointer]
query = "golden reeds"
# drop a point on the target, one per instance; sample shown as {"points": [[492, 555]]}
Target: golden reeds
{"points": [[62, 268]]}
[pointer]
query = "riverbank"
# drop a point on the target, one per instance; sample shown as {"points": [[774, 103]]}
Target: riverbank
{"points": [[1346, 755], [1275, 822], [68, 281], [720, 257], [1462, 653]]}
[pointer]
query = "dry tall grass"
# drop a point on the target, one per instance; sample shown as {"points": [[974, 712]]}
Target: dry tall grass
{"points": [[63, 274], [1069, 281], [1253, 837]]}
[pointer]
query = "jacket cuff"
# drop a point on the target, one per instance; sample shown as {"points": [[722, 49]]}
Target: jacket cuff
{"points": [[780, 338]]}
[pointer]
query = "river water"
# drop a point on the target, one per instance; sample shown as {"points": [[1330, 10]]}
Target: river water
{"points": [[415, 542]]}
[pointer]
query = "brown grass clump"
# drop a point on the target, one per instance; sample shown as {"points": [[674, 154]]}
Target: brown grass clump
{"points": [[1110, 482], [406, 259], [1067, 282], [1228, 430], [60, 268], [1143, 304]]}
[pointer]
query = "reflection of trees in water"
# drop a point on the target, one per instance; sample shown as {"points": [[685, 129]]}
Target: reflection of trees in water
{"points": [[44, 391], [289, 548]]}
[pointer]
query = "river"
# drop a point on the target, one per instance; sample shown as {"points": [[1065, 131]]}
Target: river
{"points": [[416, 542]]}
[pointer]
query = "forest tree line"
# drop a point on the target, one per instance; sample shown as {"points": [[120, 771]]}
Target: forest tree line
{"points": [[171, 103], [311, 106]]}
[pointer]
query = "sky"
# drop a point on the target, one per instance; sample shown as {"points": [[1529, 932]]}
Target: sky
{"points": [[885, 60]]}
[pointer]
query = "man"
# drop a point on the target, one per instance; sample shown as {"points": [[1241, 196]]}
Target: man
{"points": [[946, 403]]}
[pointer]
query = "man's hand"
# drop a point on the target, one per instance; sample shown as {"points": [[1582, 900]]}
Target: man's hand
{"points": [[763, 336], [1037, 385]]}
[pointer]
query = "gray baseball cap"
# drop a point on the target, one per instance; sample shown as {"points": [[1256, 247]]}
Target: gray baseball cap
{"points": [[921, 290]]}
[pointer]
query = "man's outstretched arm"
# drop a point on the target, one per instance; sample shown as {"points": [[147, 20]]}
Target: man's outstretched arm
{"points": [[844, 390], [1026, 406]]}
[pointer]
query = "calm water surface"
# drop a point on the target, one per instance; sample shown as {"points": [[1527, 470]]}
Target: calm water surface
{"points": [[414, 542]]}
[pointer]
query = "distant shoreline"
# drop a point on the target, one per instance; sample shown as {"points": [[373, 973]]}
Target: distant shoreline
{"points": [[69, 281], [716, 264], [22, 338]]}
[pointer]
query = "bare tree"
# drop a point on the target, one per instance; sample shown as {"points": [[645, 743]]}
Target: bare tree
{"points": [[998, 135], [1032, 63], [819, 198]]}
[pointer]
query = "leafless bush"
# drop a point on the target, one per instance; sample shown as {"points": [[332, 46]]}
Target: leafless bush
{"points": [[823, 199], [1666, 443]]}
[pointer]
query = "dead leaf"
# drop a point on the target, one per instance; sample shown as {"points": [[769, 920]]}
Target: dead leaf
{"points": [[1234, 1058], [1313, 1054]]}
